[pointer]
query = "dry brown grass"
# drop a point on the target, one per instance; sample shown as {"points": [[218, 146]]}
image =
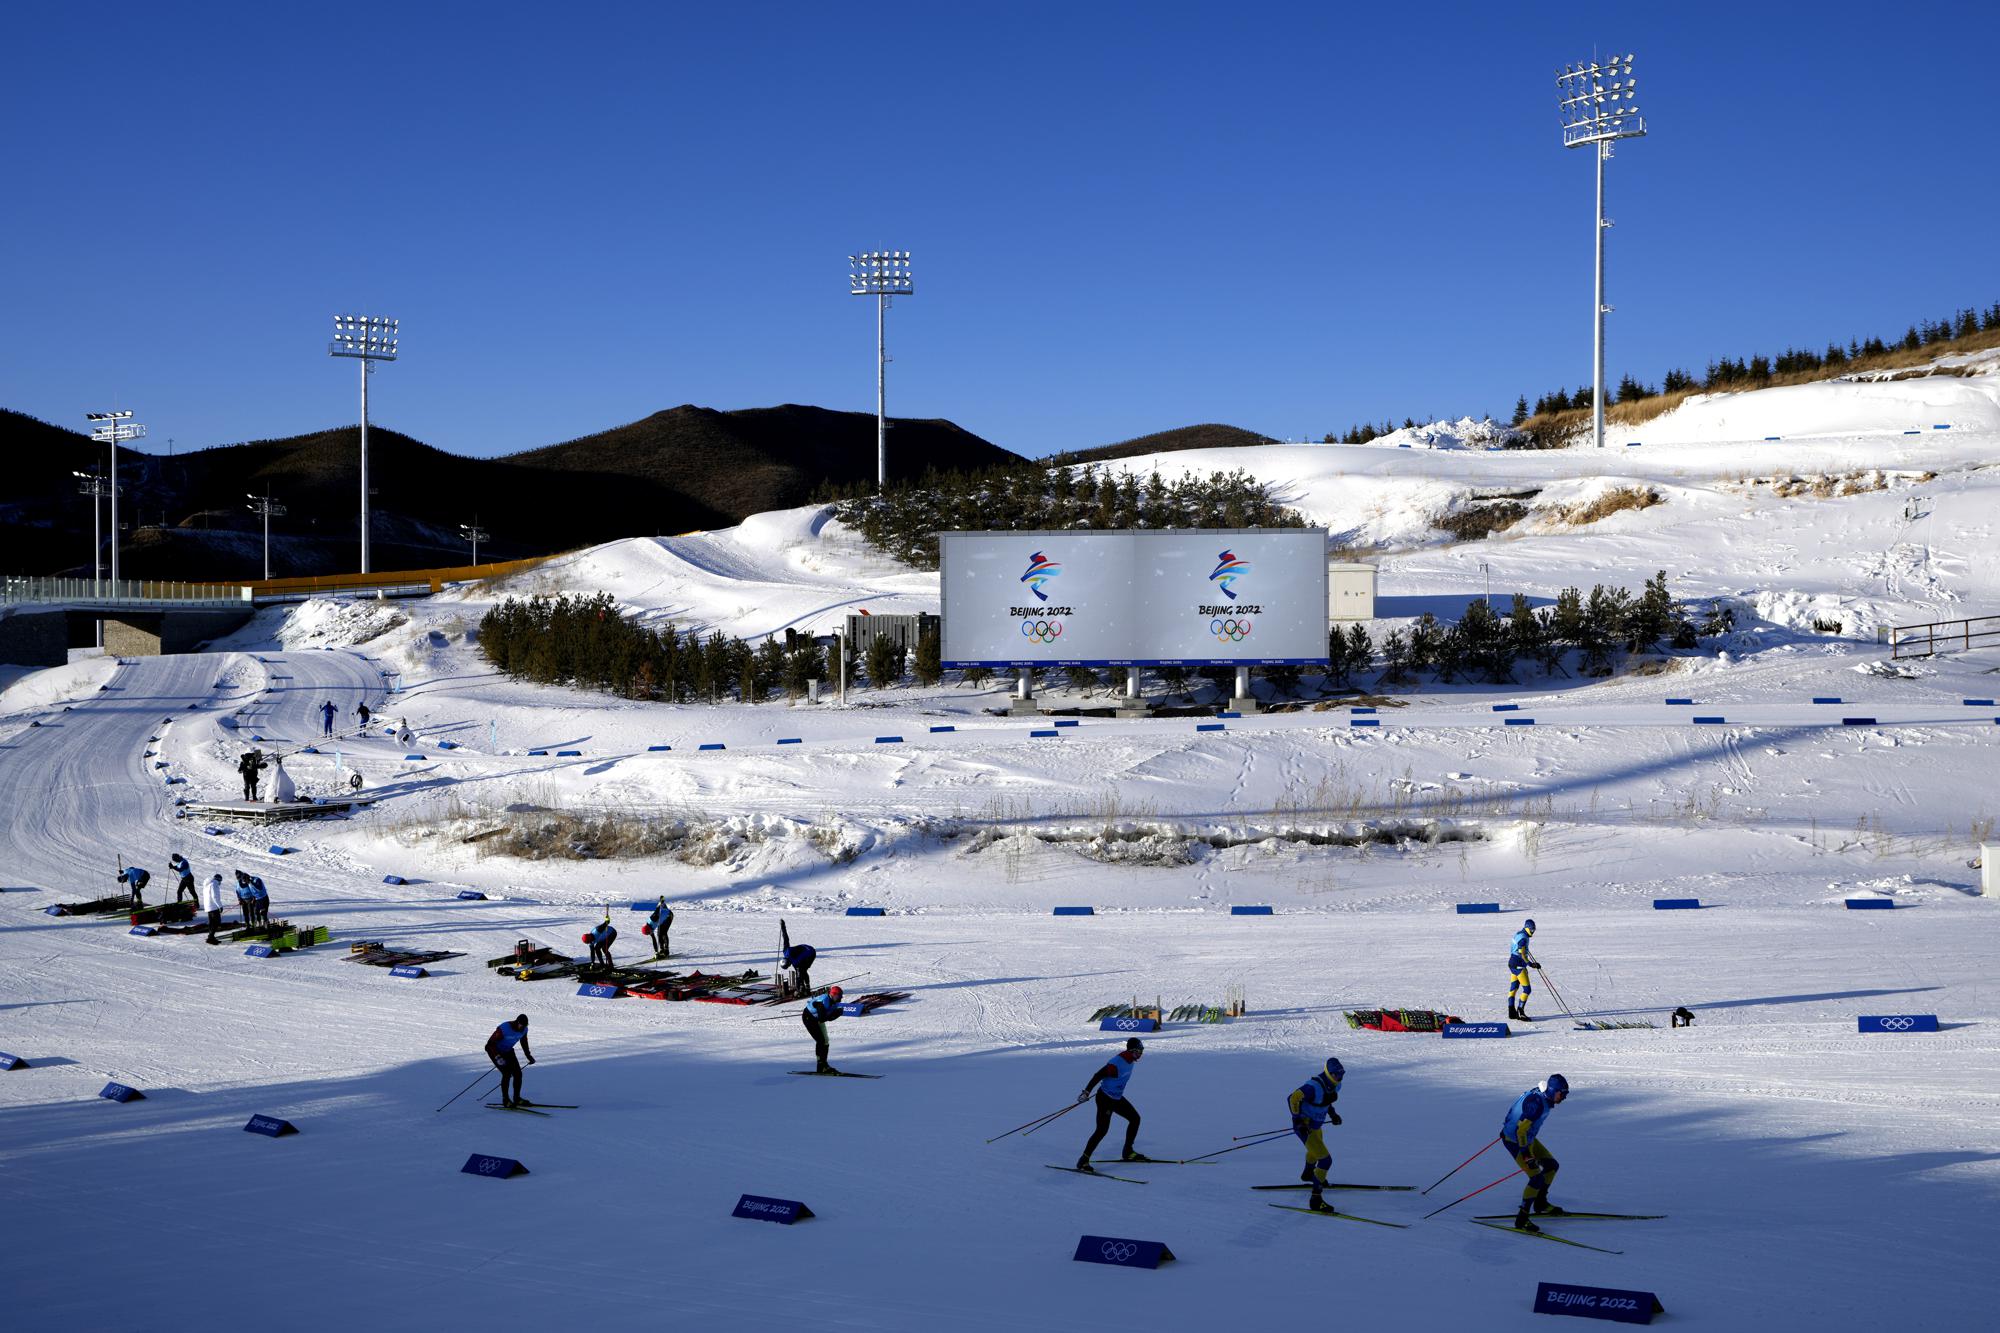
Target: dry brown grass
{"points": [[1557, 430], [1470, 525], [1834, 485], [1604, 506]]}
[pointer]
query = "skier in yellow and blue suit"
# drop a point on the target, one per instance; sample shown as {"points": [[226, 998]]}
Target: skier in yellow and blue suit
{"points": [[1518, 963], [1521, 1133], [1311, 1105]]}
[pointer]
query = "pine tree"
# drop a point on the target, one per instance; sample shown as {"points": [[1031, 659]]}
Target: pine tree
{"points": [[885, 661], [928, 667], [1520, 410]]}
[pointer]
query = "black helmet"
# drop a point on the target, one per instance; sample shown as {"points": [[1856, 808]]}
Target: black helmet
{"points": [[520, 1020], [1135, 1045]]}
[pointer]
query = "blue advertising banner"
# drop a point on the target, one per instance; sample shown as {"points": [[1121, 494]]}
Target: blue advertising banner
{"points": [[1121, 1252], [1623, 1307]]}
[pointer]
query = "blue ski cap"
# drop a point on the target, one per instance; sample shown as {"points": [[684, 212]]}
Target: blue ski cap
{"points": [[1555, 1085], [1529, 925], [1334, 1069]]}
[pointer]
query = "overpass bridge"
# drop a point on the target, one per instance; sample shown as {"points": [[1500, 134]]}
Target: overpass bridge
{"points": [[42, 619]]}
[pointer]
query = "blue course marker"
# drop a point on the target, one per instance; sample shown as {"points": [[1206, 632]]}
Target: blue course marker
{"points": [[658, 749], [711, 745], [1977, 703], [790, 740], [888, 740], [535, 752], [569, 754], [1519, 721], [868, 911], [1067, 722], [936, 730], [1857, 722], [1870, 904], [1209, 726], [1033, 734], [1676, 904], [1827, 699], [1688, 703], [1075, 911], [1473, 909], [1506, 708], [1711, 722], [1241, 909], [1364, 722]]}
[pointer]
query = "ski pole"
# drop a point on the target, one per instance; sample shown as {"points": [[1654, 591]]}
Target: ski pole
{"points": [[1050, 1120], [1238, 1138], [1460, 1167], [1269, 1138], [467, 1088], [1036, 1123], [1481, 1190], [1559, 996]]}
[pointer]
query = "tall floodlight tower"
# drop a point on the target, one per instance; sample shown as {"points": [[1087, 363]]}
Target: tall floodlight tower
{"points": [[96, 487], [114, 428], [368, 339], [1598, 107], [264, 506], [475, 534], [881, 274]]}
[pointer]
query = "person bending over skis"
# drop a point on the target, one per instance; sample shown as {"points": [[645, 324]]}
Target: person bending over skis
{"points": [[658, 925], [500, 1050], [1521, 1135], [1109, 1084], [1311, 1105], [819, 1011]]}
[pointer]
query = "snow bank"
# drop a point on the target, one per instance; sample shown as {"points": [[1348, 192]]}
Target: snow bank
{"points": [[28, 689]]}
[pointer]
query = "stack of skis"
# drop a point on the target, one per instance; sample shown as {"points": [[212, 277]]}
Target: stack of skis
{"points": [[116, 905], [1400, 1020], [374, 953]]}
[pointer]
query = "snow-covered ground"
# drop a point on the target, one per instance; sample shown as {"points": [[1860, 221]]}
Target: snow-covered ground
{"points": [[1812, 1176]]}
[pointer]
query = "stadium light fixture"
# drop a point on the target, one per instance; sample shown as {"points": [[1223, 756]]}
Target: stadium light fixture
{"points": [[882, 274], [96, 487], [1598, 103], [265, 506], [367, 339], [114, 428], [475, 534]]}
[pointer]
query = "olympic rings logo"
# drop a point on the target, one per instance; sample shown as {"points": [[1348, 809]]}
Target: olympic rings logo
{"points": [[1234, 629], [1899, 1024], [1041, 631], [1119, 1251]]}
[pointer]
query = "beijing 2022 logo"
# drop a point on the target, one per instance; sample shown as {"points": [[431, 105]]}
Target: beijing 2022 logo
{"points": [[1040, 570], [1227, 570]]}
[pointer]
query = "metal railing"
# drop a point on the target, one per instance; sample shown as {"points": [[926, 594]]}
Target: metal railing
{"points": [[125, 592], [1943, 636]]}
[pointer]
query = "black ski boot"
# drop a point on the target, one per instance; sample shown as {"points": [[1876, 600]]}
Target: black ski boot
{"points": [[1132, 1155], [1319, 1205], [1083, 1165], [825, 1068], [1521, 1222], [1546, 1209], [1512, 1012]]}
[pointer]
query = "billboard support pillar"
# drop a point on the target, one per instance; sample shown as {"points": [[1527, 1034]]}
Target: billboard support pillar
{"points": [[1133, 705], [1243, 703], [1024, 695]]}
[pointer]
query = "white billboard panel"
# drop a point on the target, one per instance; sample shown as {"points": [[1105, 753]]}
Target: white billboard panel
{"points": [[1216, 598], [1202, 597]]}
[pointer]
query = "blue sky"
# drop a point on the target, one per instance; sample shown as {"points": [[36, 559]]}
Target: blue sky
{"points": [[1125, 216]]}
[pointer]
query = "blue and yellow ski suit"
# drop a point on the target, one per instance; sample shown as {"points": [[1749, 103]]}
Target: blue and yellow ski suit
{"points": [[1311, 1105], [1518, 963], [1520, 1134]]}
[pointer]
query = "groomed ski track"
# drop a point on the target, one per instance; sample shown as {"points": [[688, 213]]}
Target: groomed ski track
{"points": [[1788, 1148]]}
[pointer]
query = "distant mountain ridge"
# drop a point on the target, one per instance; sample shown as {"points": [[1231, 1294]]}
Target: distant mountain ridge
{"points": [[186, 516], [1209, 435]]}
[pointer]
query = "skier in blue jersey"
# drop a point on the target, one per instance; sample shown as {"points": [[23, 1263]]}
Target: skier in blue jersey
{"points": [[794, 965], [260, 901], [500, 1050], [658, 924], [180, 867], [1109, 1085], [1519, 961], [1311, 1105], [602, 936], [1522, 1134], [135, 880], [819, 1011]]}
